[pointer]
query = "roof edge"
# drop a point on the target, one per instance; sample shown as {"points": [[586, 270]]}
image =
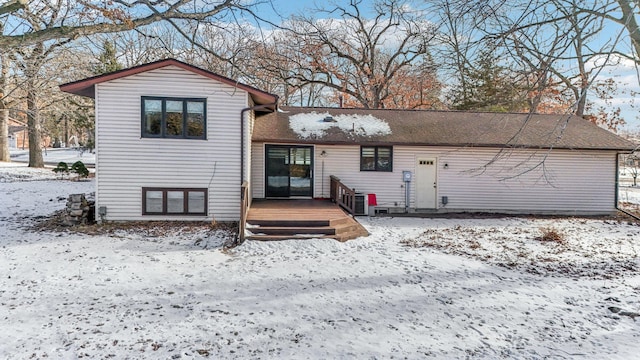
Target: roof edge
{"points": [[495, 146], [86, 87]]}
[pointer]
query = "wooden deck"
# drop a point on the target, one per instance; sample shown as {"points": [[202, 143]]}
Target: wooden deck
{"points": [[301, 219]]}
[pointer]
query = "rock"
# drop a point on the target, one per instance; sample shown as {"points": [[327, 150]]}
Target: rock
{"points": [[76, 198], [619, 311], [629, 314], [77, 211]]}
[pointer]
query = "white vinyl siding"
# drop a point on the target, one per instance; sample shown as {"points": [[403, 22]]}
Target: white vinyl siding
{"points": [[524, 181], [518, 181], [126, 162], [343, 161], [257, 170]]}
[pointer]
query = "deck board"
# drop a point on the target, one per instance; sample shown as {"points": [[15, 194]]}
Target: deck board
{"points": [[295, 210], [287, 219]]}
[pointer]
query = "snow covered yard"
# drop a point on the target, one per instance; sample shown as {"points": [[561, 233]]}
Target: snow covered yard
{"points": [[442, 288], [629, 197], [54, 156]]}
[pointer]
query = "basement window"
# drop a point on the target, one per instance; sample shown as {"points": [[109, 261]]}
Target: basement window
{"points": [[164, 117], [174, 201], [376, 158]]}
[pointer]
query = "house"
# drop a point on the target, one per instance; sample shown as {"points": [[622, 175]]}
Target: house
{"points": [[458, 161], [174, 141], [18, 136]]}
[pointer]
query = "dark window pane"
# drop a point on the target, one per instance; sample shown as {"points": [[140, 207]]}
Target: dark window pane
{"points": [[195, 118], [175, 202], [368, 158], [196, 202], [174, 118], [153, 117], [153, 202], [384, 159]]}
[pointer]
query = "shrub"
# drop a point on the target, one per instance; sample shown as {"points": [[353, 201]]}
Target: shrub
{"points": [[79, 168], [61, 169], [550, 234]]}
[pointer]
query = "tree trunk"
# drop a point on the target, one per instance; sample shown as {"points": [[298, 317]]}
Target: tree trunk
{"points": [[4, 133], [629, 21], [4, 113], [33, 122], [581, 104]]}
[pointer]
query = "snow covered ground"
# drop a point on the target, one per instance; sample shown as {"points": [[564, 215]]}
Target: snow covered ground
{"points": [[416, 288], [54, 156], [629, 194]]}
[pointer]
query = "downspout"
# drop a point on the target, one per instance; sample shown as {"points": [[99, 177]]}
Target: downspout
{"points": [[618, 189], [255, 107]]}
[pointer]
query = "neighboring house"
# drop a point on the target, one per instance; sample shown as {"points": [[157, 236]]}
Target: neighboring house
{"points": [[175, 142], [18, 135]]}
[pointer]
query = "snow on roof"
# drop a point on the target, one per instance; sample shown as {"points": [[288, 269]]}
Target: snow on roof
{"points": [[313, 124]]}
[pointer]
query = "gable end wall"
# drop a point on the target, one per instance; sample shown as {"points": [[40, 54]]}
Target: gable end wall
{"points": [[126, 162]]}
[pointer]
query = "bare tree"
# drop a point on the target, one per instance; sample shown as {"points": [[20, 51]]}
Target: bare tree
{"points": [[360, 56], [555, 49], [34, 69], [4, 111], [79, 18], [634, 169], [33, 30], [278, 66]]}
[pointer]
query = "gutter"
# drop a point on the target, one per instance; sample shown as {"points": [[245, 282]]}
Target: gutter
{"points": [[255, 107]]}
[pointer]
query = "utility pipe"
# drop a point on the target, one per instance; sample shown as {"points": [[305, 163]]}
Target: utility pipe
{"points": [[255, 107]]}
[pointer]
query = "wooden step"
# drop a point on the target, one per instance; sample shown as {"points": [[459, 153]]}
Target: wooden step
{"points": [[341, 221], [293, 230], [350, 235], [288, 223], [299, 222], [288, 237], [345, 228], [341, 233], [300, 219]]}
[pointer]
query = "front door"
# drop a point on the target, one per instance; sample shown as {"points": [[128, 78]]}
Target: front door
{"points": [[426, 183], [289, 171]]}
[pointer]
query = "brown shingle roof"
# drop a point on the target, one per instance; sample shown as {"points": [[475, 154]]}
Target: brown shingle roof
{"points": [[450, 128]]}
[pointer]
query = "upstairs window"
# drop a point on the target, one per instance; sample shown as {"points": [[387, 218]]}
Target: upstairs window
{"points": [[174, 117], [376, 158]]}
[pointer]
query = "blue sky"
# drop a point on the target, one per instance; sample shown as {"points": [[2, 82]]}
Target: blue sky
{"points": [[625, 75]]}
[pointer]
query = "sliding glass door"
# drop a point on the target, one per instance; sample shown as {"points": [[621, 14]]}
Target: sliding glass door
{"points": [[289, 171]]}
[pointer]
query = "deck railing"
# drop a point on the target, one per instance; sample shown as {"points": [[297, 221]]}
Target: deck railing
{"points": [[244, 211], [342, 195]]}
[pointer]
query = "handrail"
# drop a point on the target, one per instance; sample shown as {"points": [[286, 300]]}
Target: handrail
{"points": [[342, 195], [244, 211]]}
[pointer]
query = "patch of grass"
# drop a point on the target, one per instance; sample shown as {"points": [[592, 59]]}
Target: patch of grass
{"points": [[550, 234], [54, 221]]}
